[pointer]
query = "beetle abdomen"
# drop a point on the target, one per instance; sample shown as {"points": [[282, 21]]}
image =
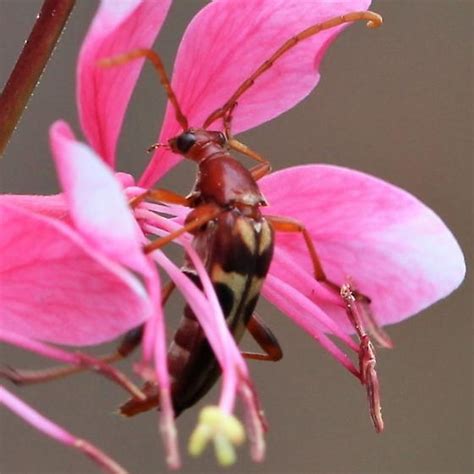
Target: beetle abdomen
{"points": [[237, 252], [237, 261]]}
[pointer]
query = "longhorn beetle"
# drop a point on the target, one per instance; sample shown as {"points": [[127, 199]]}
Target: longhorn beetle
{"points": [[235, 242]]}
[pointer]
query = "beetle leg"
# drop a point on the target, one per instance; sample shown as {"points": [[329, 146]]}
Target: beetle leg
{"points": [[155, 59], [129, 343], [285, 224], [162, 195], [227, 120], [28, 377], [262, 335], [234, 144], [260, 170], [197, 218], [358, 312], [134, 407], [265, 339], [83, 362], [240, 147], [367, 361]]}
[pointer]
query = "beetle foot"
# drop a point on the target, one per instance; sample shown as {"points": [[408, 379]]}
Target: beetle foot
{"points": [[369, 378], [359, 314]]}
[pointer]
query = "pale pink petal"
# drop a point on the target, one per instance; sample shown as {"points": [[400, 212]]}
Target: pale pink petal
{"points": [[96, 200], [56, 288], [226, 42], [308, 316], [391, 246], [54, 431], [51, 206], [155, 347], [316, 315], [103, 93], [125, 179]]}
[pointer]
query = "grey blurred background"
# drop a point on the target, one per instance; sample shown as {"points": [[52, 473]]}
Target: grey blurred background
{"points": [[397, 103]]}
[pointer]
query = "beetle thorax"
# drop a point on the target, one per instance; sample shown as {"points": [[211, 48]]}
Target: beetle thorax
{"points": [[225, 181]]}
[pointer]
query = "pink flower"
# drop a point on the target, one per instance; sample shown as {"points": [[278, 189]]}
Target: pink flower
{"points": [[56, 248], [367, 233], [76, 255], [79, 258], [70, 272]]}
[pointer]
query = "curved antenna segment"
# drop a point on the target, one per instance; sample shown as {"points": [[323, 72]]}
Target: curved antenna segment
{"points": [[374, 20]]}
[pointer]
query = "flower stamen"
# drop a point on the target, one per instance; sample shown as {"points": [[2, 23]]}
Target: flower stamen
{"points": [[223, 429]]}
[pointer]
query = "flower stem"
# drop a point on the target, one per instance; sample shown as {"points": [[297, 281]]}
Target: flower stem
{"points": [[30, 65]]}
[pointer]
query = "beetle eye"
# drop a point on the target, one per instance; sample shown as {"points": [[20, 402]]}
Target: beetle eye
{"points": [[185, 141]]}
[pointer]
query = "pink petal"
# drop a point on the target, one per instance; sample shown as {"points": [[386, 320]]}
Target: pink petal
{"points": [[307, 315], [394, 249], [51, 206], [155, 346], [103, 94], [96, 200], [54, 287], [226, 42]]}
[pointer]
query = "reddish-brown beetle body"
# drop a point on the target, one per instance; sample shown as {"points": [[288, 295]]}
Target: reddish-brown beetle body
{"points": [[235, 242], [236, 248]]}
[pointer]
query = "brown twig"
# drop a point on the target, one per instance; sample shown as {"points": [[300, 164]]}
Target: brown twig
{"points": [[30, 65]]}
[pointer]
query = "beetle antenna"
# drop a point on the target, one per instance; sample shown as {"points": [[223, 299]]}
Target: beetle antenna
{"points": [[156, 146], [374, 20], [155, 59]]}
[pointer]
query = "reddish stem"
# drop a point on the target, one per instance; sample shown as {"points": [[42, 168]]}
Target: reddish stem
{"points": [[30, 65]]}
